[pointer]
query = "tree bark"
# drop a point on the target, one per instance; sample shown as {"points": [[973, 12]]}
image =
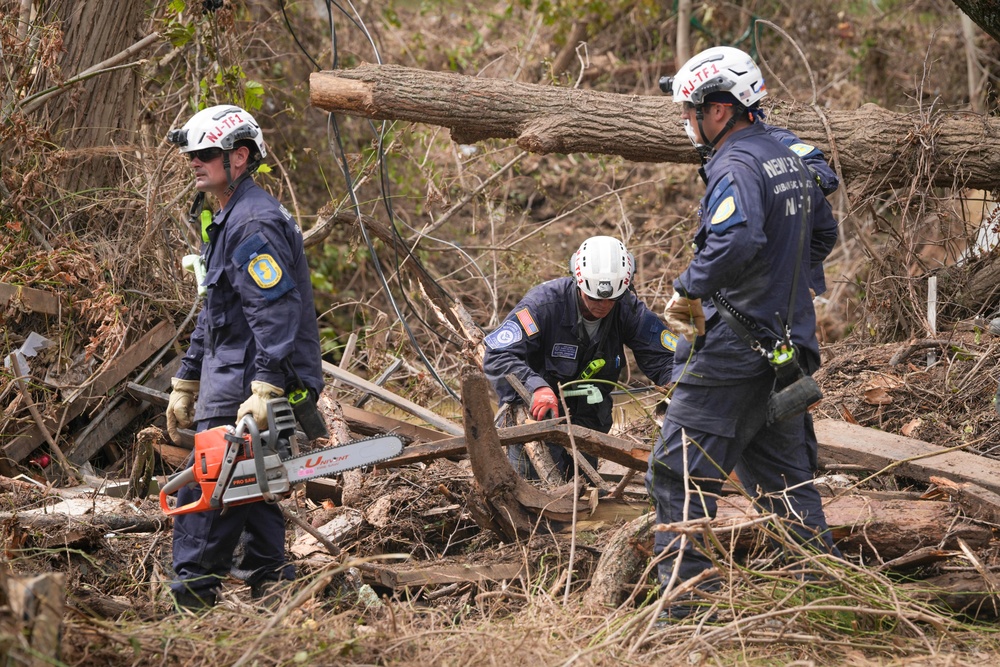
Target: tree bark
{"points": [[101, 112], [624, 557], [871, 143], [505, 503], [985, 13]]}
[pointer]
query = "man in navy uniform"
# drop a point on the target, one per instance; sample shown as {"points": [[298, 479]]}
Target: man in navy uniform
{"points": [[574, 327], [258, 323], [743, 305]]}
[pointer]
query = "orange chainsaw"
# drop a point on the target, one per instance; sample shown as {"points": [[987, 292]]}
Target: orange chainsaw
{"points": [[234, 466]]}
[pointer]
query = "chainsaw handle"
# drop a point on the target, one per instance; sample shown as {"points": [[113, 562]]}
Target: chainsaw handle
{"points": [[175, 483], [179, 480]]}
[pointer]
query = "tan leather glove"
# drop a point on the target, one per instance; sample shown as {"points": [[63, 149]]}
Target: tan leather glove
{"points": [[685, 316], [180, 407], [256, 405]]}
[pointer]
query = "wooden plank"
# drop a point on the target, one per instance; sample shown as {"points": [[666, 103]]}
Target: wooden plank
{"points": [[37, 608], [140, 392], [171, 454], [444, 574], [122, 366], [978, 503], [370, 423], [35, 300], [875, 450], [120, 417], [595, 443], [27, 440], [392, 399]]}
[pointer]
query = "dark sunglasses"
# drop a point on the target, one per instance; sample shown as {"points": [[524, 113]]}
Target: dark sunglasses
{"points": [[206, 154]]}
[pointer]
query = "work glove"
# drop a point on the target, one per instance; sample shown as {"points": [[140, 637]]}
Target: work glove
{"points": [[256, 405], [180, 406], [685, 316], [544, 404]]}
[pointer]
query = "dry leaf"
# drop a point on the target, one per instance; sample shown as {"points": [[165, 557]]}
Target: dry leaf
{"points": [[877, 396], [911, 427]]}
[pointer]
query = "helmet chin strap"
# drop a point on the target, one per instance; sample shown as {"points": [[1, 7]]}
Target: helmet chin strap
{"points": [[229, 176], [707, 149]]}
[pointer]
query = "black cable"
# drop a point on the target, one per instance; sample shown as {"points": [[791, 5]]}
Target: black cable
{"points": [[295, 37], [386, 195], [332, 123]]}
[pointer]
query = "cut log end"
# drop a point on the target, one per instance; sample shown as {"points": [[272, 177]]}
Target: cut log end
{"points": [[333, 93]]}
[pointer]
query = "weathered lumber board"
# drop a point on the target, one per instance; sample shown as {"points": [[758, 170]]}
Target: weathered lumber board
{"points": [[442, 574], [875, 450], [979, 503], [120, 417], [370, 423], [116, 371], [35, 300], [595, 443], [392, 399]]}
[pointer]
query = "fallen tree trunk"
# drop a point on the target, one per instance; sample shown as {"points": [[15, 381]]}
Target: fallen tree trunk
{"points": [[964, 592], [878, 530], [549, 119], [504, 503]]}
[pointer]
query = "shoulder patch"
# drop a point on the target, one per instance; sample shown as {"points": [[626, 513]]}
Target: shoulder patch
{"points": [[265, 271], [524, 317], [724, 210], [801, 149], [668, 340], [564, 351], [508, 334]]}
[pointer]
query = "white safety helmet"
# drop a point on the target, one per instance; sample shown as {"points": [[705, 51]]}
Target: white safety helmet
{"points": [[720, 69], [220, 126], [602, 267]]}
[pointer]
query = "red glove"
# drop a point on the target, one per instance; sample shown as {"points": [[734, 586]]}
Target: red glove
{"points": [[544, 404]]}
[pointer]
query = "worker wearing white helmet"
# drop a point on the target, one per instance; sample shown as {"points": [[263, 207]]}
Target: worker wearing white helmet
{"points": [[576, 328], [255, 339], [742, 380]]}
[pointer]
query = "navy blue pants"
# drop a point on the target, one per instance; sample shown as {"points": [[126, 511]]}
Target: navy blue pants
{"points": [[726, 430], [204, 542], [561, 456]]}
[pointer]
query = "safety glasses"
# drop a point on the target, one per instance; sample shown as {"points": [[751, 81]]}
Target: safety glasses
{"points": [[206, 154]]}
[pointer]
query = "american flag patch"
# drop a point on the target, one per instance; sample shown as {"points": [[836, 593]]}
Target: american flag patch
{"points": [[527, 323]]}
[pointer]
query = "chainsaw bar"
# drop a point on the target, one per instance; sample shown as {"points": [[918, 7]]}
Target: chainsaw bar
{"points": [[334, 460]]}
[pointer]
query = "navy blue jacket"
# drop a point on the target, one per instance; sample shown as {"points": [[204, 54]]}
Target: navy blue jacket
{"points": [[543, 343], [259, 307], [746, 246], [825, 177], [812, 156]]}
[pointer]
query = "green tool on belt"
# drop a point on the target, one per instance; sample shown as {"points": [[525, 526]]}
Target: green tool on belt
{"points": [[592, 369]]}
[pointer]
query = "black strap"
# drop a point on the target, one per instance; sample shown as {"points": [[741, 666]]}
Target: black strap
{"points": [[805, 200], [732, 318], [739, 322]]}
